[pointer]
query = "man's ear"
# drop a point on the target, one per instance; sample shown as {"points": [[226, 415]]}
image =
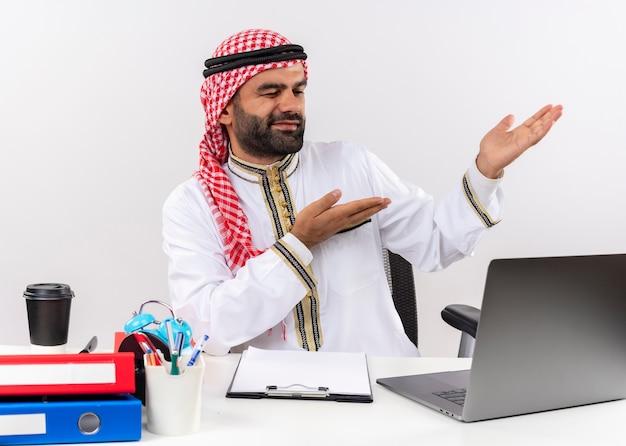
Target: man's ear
{"points": [[226, 118]]}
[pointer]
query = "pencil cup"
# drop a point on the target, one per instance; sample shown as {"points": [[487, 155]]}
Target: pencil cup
{"points": [[174, 402]]}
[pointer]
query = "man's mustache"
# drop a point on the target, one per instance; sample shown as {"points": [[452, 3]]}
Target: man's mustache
{"points": [[286, 117]]}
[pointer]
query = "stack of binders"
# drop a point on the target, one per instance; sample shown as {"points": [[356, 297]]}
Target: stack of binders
{"points": [[68, 398]]}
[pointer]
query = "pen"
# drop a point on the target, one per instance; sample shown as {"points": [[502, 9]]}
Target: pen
{"points": [[178, 345], [170, 335], [145, 344], [150, 357], [160, 356], [197, 349], [175, 370]]}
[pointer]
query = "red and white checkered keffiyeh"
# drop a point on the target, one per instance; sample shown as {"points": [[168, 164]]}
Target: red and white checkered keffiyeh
{"points": [[215, 94]]}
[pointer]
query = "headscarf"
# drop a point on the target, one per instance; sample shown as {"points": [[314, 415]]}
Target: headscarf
{"points": [[259, 50]]}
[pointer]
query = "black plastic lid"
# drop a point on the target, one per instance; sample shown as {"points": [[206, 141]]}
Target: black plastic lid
{"points": [[45, 291]]}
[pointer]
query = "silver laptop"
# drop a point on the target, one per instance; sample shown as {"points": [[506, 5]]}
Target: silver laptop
{"points": [[552, 334]]}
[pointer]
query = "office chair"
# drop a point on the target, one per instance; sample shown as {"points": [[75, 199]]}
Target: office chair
{"points": [[464, 318], [402, 284]]}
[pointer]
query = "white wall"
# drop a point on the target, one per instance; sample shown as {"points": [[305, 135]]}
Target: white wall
{"points": [[100, 119]]}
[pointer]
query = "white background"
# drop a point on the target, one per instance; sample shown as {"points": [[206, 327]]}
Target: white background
{"points": [[100, 118]]}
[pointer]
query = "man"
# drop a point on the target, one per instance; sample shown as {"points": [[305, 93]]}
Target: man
{"points": [[276, 242]]}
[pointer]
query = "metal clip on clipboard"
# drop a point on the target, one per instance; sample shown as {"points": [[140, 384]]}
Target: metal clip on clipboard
{"points": [[297, 391]]}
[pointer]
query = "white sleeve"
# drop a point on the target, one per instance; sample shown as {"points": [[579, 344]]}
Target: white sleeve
{"points": [[231, 309], [486, 192], [433, 236]]}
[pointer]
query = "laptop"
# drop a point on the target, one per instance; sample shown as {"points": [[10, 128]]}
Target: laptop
{"points": [[552, 335]]}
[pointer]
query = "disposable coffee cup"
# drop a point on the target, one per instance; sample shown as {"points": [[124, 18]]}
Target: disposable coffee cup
{"points": [[48, 308]]}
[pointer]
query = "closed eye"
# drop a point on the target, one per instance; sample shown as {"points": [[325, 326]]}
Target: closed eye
{"points": [[271, 93]]}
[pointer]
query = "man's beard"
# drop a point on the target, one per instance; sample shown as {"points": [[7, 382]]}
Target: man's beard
{"points": [[257, 138]]}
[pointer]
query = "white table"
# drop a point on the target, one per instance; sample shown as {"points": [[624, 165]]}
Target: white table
{"points": [[390, 420]]}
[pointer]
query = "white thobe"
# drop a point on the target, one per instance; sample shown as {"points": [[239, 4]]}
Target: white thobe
{"points": [[355, 308]]}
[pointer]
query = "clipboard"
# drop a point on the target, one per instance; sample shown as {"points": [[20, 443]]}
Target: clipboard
{"points": [[302, 375]]}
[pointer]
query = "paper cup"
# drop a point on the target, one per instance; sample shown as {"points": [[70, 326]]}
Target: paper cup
{"points": [[48, 307]]}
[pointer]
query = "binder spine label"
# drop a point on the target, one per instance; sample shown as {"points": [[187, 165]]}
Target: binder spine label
{"points": [[33, 374], [23, 424]]}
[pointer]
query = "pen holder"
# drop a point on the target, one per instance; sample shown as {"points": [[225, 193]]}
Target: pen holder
{"points": [[174, 402], [129, 343]]}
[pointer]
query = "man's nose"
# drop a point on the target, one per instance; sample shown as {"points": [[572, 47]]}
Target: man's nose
{"points": [[291, 102]]}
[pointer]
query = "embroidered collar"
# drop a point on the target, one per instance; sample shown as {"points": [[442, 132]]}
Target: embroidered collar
{"points": [[253, 173]]}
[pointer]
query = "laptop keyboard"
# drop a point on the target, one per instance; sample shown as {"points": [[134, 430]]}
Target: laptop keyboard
{"points": [[456, 396]]}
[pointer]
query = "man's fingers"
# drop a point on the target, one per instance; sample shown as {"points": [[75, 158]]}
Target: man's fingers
{"points": [[324, 218], [365, 207], [541, 122], [505, 124], [538, 115], [323, 204], [547, 115], [357, 211]]}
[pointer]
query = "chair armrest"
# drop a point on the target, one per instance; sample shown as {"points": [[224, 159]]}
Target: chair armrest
{"points": [[462, 317]]}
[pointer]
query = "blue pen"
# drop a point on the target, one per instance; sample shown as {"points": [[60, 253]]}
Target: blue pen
{"points": [[178, 344], [197, 349]]}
